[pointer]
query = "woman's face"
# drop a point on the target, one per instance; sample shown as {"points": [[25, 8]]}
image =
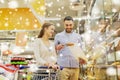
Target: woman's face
{"points": [[50, 31]]}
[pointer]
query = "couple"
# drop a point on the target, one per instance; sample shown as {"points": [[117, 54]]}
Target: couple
{"points": [[45, 50]]}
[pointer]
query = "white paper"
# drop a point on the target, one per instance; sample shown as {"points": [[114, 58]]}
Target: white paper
{"points": [[78, 52]]}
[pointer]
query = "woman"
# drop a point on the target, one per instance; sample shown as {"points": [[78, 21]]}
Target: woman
{"points": [[44, 48]]}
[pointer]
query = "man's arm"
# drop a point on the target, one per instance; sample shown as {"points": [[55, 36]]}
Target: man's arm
{"points": [[58, 45]]}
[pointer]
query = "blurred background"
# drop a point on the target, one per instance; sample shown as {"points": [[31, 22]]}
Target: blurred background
{"points": [[21, 20]]}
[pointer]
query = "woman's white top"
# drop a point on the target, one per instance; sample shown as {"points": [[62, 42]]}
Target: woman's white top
{"points": [[44, 54]]}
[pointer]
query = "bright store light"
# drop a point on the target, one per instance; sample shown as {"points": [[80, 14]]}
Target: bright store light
{"points": [[95, 11], [2, 1], [12, 4], [116, 2], [58, 0], [114, 10], [32, 38], [10, 12], [16, 9], [29, 56], [73, 0], [42, 8], [21, 18], [111, 71], [1, 12], [27, 47], [33, 67], [65, 12], [4, 47], [35, 25], [6, 19], [58, 24], [61, 55], [49, 4], [24, 75], [29, 0], [6, 24], [18, 22], [87, 55], [62, 7], [27, 19], [17, 50], [27, 23], [47, 71], [39, 2], [51, 11], [25, 37], [59, 9], [59, 16]]}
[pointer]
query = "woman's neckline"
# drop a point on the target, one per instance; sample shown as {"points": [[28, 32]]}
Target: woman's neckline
{"points": [[48, 46], [46, 42]]}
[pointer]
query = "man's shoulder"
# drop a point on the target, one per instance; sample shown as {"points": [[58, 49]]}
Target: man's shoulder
{"points": [[76, 33]]}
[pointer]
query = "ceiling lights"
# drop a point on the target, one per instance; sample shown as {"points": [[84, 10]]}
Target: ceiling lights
{"points": [[13, 4]]}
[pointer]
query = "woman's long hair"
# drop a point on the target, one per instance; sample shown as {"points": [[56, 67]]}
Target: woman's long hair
{"points": [[42, 31]]}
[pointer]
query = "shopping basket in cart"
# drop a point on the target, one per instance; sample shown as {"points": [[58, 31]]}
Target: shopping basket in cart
{"points": [[7, 72], [44, 73]]}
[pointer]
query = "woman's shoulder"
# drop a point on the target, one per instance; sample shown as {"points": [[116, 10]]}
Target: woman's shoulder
{"points": [[51, 41], [37, 40]]}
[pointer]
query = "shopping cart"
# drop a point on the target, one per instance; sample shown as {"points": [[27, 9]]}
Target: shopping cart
{"points": [[45, 73]]}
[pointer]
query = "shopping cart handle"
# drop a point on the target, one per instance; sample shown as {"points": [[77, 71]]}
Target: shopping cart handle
{"points": [[43, 67], [23, 67], [61, 68], [46, 67]]}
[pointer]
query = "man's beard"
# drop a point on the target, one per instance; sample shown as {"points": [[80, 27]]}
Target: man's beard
{"points": [[68, 30]]}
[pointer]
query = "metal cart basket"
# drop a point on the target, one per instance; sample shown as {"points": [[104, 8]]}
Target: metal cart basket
{"points": [[46, 74]]}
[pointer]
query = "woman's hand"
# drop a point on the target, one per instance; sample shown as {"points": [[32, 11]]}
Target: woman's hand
{"points": [[53, 66], [46, 64]]}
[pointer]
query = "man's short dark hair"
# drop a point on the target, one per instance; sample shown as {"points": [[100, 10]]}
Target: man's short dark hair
{"points": [[68, 18]]}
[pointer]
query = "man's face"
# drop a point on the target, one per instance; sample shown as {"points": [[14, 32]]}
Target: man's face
{"points": [[68, 25]]}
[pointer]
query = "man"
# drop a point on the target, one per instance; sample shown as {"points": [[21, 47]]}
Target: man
{"points": [[99, 39], [65, 57]]}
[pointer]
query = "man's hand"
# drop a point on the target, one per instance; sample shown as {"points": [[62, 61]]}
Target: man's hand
{"points": [[82, 61], [59, 46]]}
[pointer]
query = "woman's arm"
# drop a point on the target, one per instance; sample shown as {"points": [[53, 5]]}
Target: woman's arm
{"points": [[36, 49]]}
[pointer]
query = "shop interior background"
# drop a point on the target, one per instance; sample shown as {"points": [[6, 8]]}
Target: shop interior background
{"points": [[15, 30]]}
